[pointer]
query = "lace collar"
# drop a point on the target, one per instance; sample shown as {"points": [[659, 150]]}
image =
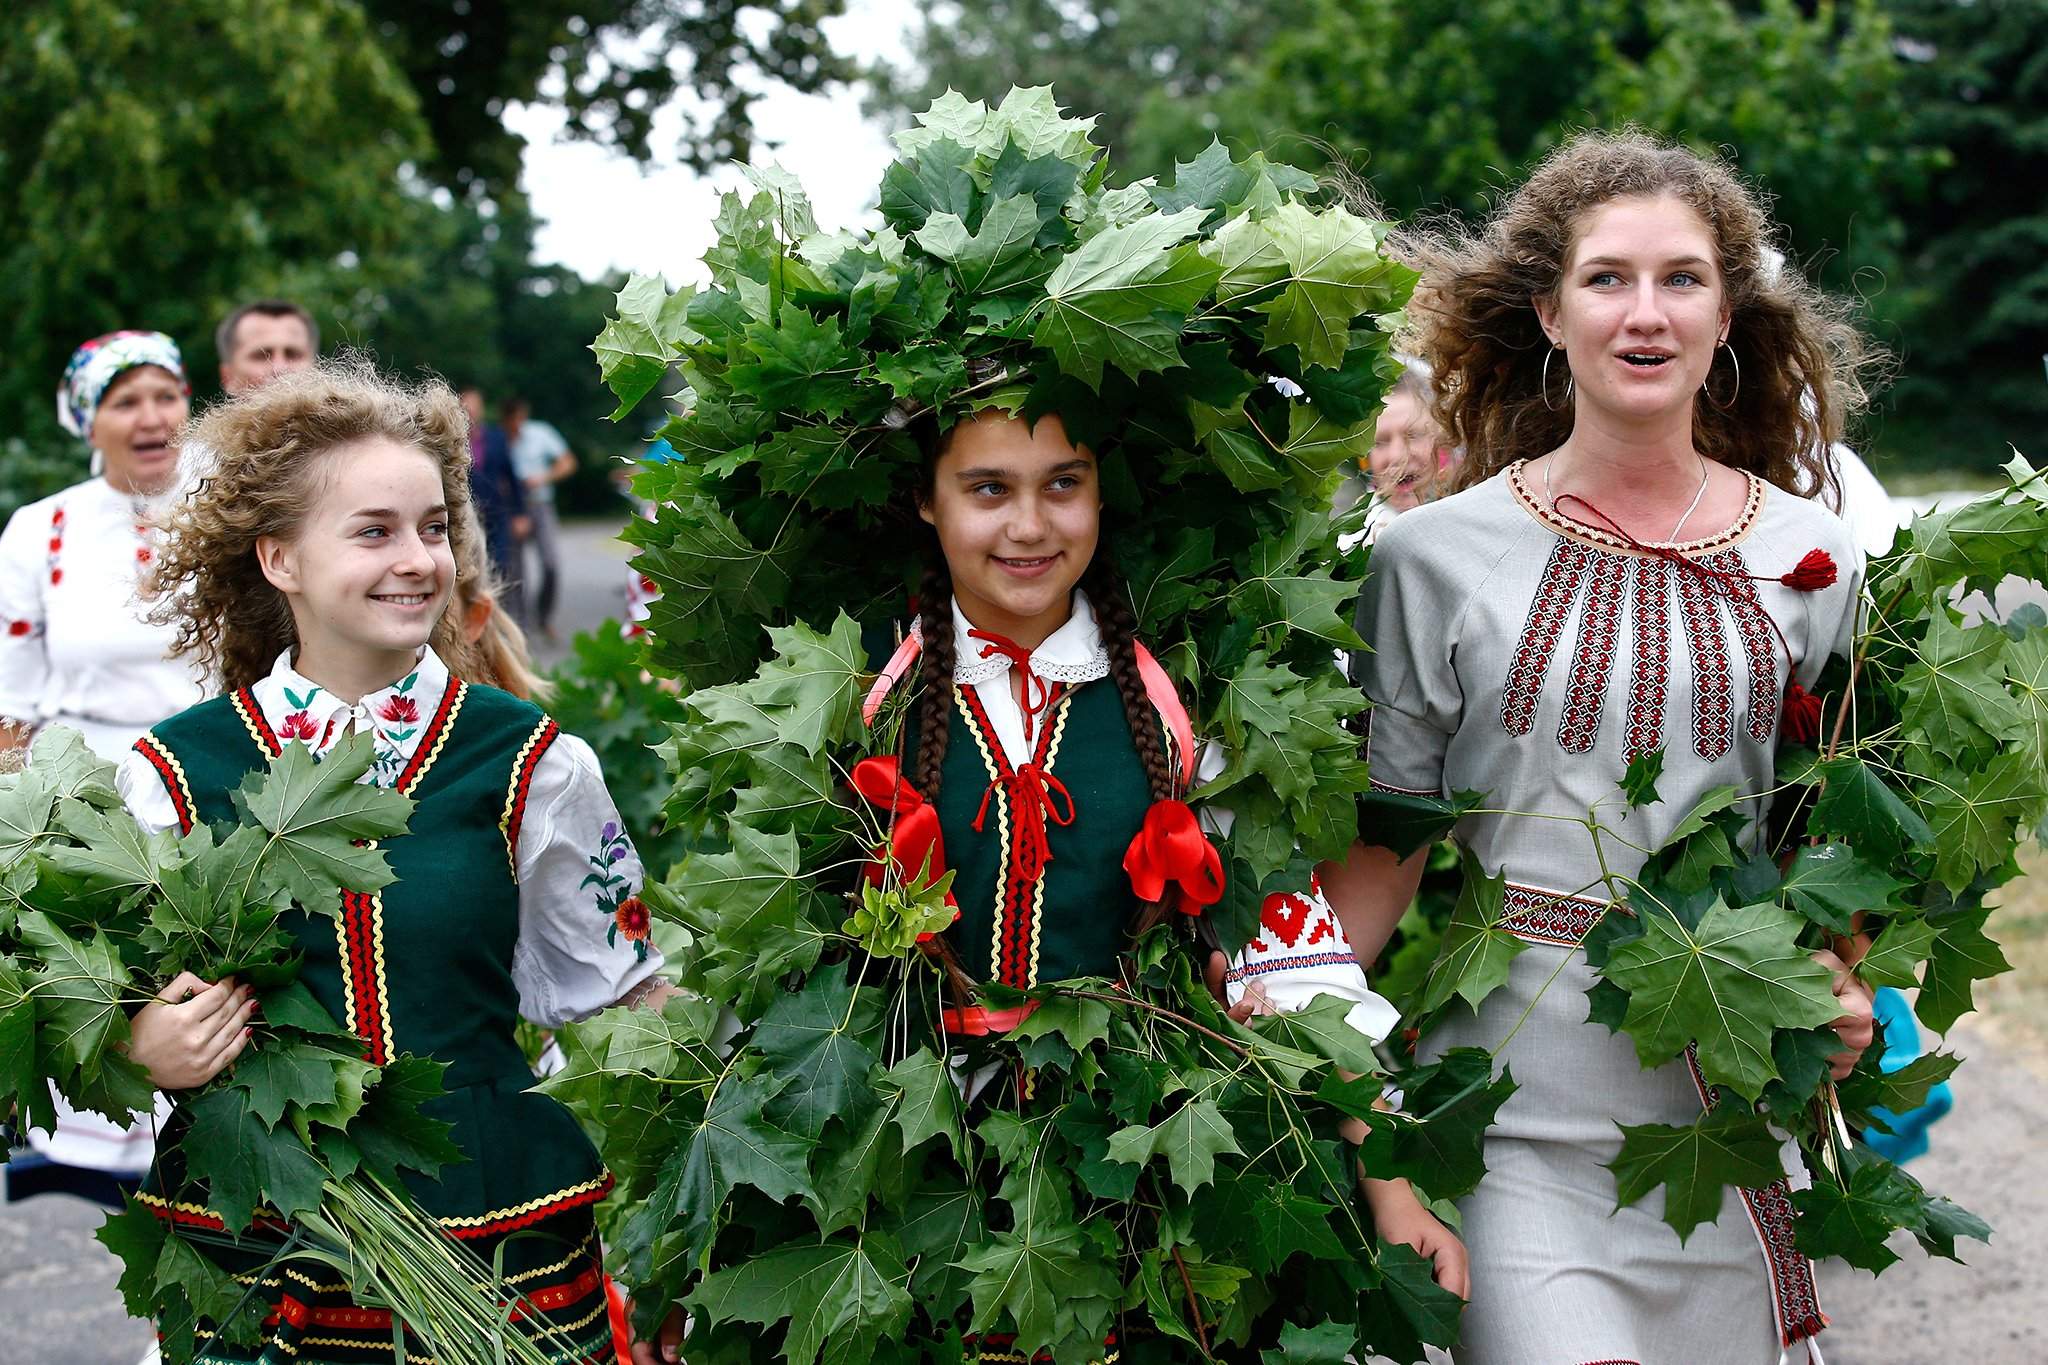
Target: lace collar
{"points": [[1072, 654], [296, 708]]}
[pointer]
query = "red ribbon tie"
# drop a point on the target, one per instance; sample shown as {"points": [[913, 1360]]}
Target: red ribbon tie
{"points": [[1170, 849], [916, 846], [1031, 791], [1037, 692]]}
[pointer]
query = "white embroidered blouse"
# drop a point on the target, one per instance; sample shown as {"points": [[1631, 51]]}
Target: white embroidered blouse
{"points": [[74, 647], [566, 964]]}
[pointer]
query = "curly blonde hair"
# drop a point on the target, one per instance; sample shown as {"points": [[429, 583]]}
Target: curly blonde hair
{"points": [[503, 659], [266, 473], [1802, 360]]}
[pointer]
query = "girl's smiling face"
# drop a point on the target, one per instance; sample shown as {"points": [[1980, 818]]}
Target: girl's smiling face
{"points": [[370, 569], [1018, 511]]}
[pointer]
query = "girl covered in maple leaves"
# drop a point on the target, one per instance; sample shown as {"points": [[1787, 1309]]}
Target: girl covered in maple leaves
{"points": [[1055, 751], [1628, 573], [312, 568]]}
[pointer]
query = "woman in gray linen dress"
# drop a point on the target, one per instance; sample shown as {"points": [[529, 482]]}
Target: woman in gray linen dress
{"points": [[1627, 387]]}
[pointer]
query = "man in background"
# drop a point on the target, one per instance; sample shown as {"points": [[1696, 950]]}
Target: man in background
{"points": [[262, 340], [500, 501], [541, 459]]}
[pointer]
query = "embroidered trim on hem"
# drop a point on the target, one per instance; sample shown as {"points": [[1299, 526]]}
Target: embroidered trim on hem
{"points": [[1389, 789], [1282, 964], [531, 1212]]}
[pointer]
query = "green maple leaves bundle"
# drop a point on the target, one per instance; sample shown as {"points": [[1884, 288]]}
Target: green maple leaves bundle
{"points": [[95, 916], [795, 1147], [1931, 769]]}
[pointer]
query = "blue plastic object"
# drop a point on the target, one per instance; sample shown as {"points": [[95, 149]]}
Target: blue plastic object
{"points": [[1908, 1136]]}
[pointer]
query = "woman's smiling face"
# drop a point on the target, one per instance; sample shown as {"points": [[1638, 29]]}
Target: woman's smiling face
{"points": [[139, 414], [1018, 511]]}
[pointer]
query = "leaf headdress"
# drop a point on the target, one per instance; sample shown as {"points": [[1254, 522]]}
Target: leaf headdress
{"points": [[1222, 342]]}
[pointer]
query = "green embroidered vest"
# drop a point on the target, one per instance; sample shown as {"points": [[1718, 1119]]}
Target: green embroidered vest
{"points": [[1075, 917], [425, 966]]}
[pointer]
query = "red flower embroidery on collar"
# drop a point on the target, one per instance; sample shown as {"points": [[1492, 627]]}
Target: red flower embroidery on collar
{"points": [[399, 709], [298, 725]]}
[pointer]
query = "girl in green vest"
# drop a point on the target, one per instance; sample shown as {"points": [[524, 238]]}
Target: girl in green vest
{"points": [[1055, 753], [311, 572]]}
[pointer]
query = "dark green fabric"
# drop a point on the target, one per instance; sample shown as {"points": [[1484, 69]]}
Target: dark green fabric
{"points": [[1085, 916], [450, 923]]}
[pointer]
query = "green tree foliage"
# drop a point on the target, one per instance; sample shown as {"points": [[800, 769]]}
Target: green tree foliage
{"points": [[1153, 68], [163, 162], [610, 64], [1971, 307]]}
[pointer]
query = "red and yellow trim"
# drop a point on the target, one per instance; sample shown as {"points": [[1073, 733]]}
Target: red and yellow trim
{"points": [[173, 775], [1018, 926], [523, 768], [199, 1216], [436, 737], [518, 1216], [364, 983], [244, 702]]}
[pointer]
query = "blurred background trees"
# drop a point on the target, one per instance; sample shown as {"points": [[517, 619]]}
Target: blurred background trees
{"points": [[1904, 141], [161, 162]]}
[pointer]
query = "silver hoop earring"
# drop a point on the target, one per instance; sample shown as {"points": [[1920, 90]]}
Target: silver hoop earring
{"points": [[1545, 381], [1734, 393]]}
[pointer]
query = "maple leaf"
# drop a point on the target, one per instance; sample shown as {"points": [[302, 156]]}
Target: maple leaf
{"points": [[1831, 884], [801, 364], [811, 1037], [1858, 805], [1852, 1217], [856, 1286], [1058, 1286], [1953, 694], [635, 348], [733, 1144], [1439, 1141], [115, 855], [1639, 783], [749, 903], [282, 1073], [1974, 819], [1191, 1138], [391, 1134], [811, 689], [1122, 297], [316, 811], [1894, 958], [1695, 1164], [999, 255], [933, 179], [78, 991], [1962, 955], [242, 1165], [1410, 1309], [1476, 954], [1724, 985], [1326, 268]]}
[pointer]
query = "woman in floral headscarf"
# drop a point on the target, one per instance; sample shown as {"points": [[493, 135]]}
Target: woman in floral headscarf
{"points": [[76, 651], [74, 647]]}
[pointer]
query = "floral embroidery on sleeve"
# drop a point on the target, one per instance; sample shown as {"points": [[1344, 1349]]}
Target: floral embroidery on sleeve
{"points": [[627, 913]]}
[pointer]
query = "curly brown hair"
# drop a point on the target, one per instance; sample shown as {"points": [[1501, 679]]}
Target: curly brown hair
{"points": [[1803, 362], [265, 475]]}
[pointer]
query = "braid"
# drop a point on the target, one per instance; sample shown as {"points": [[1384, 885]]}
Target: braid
{"points": [[1120, 637], [934, 678]]}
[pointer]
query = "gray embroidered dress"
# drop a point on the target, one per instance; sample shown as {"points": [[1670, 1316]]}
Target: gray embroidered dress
{"points": [[1522, 654]]}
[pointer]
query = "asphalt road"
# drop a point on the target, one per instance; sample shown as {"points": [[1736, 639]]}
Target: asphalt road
{"points": [[58, 1305]]}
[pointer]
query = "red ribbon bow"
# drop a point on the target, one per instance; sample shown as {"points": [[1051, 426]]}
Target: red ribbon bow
{"points": [[1036, 691], [1031, 791], [916, 846], [1170, 848]]}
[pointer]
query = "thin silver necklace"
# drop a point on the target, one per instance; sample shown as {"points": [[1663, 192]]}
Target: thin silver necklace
{"points": [[1691, 507]]}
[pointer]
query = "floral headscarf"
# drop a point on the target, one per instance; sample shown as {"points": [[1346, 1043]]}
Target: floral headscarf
{"points": [[95, 365]]}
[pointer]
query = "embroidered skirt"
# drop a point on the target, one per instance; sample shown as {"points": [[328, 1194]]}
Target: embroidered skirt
{"points": [[1559, 1277], [555, 1266]]}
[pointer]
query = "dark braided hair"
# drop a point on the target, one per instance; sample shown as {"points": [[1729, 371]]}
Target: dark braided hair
{"points": [[934, 675]]}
